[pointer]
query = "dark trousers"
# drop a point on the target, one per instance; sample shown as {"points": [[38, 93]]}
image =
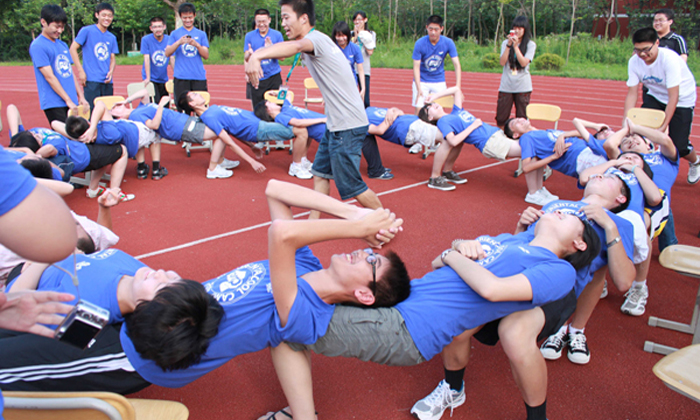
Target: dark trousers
{"points": [[370, 151], [505, 104], [94, 90], [257, 95], [679, 126], [181, 86], [56, 114], [160, 91], [366, 89]]}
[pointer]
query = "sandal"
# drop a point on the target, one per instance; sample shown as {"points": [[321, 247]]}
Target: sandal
{"points": [[284, 415]]}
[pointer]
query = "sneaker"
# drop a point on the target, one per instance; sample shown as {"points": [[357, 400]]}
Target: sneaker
{"points": [[636, 300], [452, 177], [549, 195], [142, 173], [219, 172], [538, 198], [94, 193], [693, 173], [386, 175], [547, 173], [298, 170], [306, 163], [442, 398], [125, 197], [229, 164], [554, 344], [604, 293], [160, 173], [415, 149], [440, 183], [578, 349]]}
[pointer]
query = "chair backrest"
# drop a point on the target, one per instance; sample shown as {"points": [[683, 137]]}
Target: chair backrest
{"points": [[132, 88], [680, 371], [205, 95], [80, 111], [170, 87], [652, 118], [543, 112], [446, 101], [109, 101], [310, 83], [271, 95]]}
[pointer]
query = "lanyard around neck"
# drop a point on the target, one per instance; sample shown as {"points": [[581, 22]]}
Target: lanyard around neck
{"points": [[297, 56]]}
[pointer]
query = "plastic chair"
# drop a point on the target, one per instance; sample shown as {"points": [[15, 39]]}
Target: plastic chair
{"points": [[540, 112], [685, 260], [271, 95], [21, 405], [170, 88], [447, 102], [80, 111], [208, 144], [132, 88], [309, 84], [680, 371], [652, 118], [109, 101]]}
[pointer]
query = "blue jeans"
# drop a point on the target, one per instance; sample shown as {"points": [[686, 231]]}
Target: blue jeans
{"points": [[270, 131], [338, 158], [96, 89], [667, 237]]}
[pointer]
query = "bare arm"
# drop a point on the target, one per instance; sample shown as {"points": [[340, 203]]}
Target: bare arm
{"points": [[416, 77], [455, 139], [112, 65], [665, 142], [154, 123], [582, 127], [673, 95], [82, 78], [47, 151], [630, 100], [279, 50], [226, 138], [301, 123], [29, 279], [105, 203], [531, 164], [361, 78], [27, 311], [147, 68], [59, 187], [458, 71]]}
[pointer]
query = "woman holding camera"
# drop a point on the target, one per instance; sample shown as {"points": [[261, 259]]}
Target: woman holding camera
{"points": [[517, 51]]}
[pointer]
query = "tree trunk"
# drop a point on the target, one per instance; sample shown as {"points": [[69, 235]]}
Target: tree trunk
{"points": [[444, 17], [571, 31], [396, 17], [388, 33], [498, 28], [431, 7], [534, 21], [469, 21]]}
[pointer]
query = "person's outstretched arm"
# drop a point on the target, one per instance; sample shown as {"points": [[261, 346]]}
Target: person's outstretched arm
{"points": [[665, 142], [31, 311]]}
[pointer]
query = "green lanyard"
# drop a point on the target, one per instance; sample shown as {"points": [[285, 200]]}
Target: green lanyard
{"points": [[297, 56]]}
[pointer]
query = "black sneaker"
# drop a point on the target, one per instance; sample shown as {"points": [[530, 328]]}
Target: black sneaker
{"points": [[142, 173], [440, 183], [578, 349], [553, 345], [159, 173], [452, 177]]}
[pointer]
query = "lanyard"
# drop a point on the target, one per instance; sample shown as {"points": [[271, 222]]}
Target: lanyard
{"points": [[297, 56]]}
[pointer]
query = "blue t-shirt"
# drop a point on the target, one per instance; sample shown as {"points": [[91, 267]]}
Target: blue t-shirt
{"points": [[250, 322], [442, 298], [172, 124], [540, 144], [290, 111], [459, 120], [16, 154], [596, 146], [188, 62], [98, 275], [432, 58], [119, 132], [45, 53], [354, 55], [75, 150], [98, 48], [16, 183], [239, 123], [665, 170], [398, 130], [159, 61], [270, 67], [637, 202], [624, 227]]}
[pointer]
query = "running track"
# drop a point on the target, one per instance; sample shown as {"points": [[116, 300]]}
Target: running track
{"points": [[202, 228]]}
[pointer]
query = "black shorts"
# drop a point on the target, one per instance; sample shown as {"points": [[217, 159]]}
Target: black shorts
{"points": [[160, 90], [183, 85], [257, 95], [679, 127], [102, 155], [555, 315], [56, 114]]}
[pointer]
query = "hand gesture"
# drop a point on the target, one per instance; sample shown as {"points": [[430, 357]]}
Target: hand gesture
{"points": [[268, 41], [82, 77], [25, 311], [597, 213], [379, 223], [108, 78], [89, 135], [470, 249], [258, 167], [560, 145], [529, 216], [559, 152], [110, 198], [253, 71], [477, 123], [164, 101]]}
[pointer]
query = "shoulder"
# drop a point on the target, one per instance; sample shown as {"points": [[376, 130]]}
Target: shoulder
{"points": [[531, 44]]}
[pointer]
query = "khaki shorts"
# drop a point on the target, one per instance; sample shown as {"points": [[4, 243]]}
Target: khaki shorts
{"points": [[497, 146], [376, 335], [426, 88], [146, 135]]}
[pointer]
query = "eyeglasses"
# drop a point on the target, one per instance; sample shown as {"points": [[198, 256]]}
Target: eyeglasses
{"points": [[372, 260], [640, 51]]}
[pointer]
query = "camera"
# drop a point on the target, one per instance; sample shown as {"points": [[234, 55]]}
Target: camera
{"points": [[82, 324], [512, 32]]}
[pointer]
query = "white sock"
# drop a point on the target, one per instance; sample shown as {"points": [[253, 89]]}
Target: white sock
{"points": [[697, 160], [562, 330], [573, 330], [639, 283]]}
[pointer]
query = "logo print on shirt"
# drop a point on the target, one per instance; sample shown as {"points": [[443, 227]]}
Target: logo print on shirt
{"points": [[234, 286], [102, 255], [62, 65], [230, 111], [381, 113], [466, 117], [653, 159], [553, 134], [433, 62], [101, 51], [493, 249], [189, 50], [652, 80], [159, 59]]}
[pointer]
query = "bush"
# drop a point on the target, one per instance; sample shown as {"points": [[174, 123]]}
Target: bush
{"points": [[491, 61], [548, 62]]}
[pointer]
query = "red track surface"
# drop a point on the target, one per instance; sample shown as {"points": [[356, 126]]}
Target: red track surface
{"points": [[186, 207]]}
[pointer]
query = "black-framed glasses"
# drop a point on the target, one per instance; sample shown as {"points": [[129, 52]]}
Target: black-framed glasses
{"points": [[640, 51], [372, 260]]}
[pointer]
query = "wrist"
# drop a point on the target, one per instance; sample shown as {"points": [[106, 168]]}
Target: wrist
{"points": [[444, 255], [614, 241]]}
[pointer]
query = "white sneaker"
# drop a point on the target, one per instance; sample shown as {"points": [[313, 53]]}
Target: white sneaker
{"points": [[229, 164], [578, 349], [604, 293], [547, 173], [219, 172], [538, 198], [298, 170], [442, 398], [306, 163], [549, 195], [636, 300], [693, 173], [554, 344], [415, 149]]}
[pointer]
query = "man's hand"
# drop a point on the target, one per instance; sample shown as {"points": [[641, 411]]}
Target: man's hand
{"points": [[380, 226], [164, 101], [71, 105], [560, 145], [559, 152], [253, 70], [470, 249], [110, 198], [89, 135], [268, 41], [597, 213], [476, 124], [82, 77], [109, 76], [184, 39], [84, 103], [258, 167], [25, 311], [529, 216]]}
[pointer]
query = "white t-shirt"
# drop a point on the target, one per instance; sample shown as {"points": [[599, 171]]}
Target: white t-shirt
{"points": [[521, 80], [667, 71]]}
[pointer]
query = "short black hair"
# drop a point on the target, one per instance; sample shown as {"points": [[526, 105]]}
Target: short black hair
{"points": [[86, 244], [24, 139], [624, 190], [76, 126], [670, 14], [183, 101], [39, 168], [506, 128], [186, 8], [394, 286], [54, 13], [302, 7], [645, 166], [359, 13], [581, 259], [423, 114], [341, 28], [261, 111], [175, 328], [262, 12], [435, 19], [104, 6], [157, 19], [645, 35]]}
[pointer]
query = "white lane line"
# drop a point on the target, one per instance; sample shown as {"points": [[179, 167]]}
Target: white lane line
{"points": [[306, 213]]}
